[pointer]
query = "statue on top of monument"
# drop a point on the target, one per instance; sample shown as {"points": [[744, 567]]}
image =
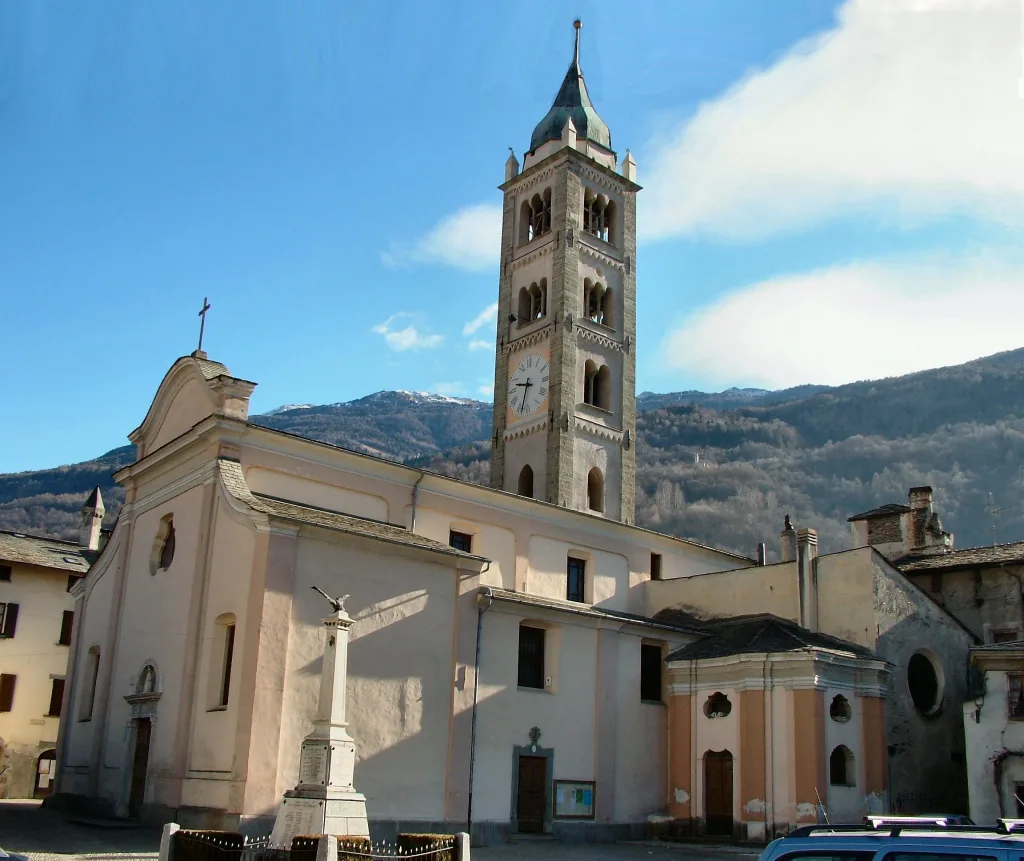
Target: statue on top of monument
{"points": [[337, 604]]}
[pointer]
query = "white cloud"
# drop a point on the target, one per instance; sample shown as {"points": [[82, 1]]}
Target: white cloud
{"points": [[486, 390], [912, 104], [450, 389], [486, 316], [480, 344], [469, 238], [407, 338], [853, 322]]}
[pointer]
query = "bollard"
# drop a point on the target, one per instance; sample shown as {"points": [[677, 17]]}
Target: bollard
{"points": [[327, 848], [166, 840], [462, 846]]}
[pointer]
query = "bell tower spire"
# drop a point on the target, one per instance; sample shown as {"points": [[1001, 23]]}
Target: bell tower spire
{"points": [[564, 384]]}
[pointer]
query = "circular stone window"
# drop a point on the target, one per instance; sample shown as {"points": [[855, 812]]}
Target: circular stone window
{"points": [[924, 679], [840, 710], [717, 706]]}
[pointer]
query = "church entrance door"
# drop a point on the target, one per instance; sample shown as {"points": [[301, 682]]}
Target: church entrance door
{"points": [[718, 793], [532, 797], [140, 763]]}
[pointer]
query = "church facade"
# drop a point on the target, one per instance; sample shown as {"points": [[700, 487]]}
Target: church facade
{"points": [[506, 670]]}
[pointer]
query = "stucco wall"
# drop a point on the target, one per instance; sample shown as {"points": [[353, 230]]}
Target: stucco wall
{"points": [[984, 600], [769, 589], [35, 658], [310, 491], [994, 744], [607, 576]]}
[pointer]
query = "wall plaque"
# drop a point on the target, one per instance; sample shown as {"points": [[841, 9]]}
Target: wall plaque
{"points": [[296, 817], [314, 759]]}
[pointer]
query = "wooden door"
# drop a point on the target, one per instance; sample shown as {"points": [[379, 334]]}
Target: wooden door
{"points": [[140, 762], [532, 797], [718, 792]]}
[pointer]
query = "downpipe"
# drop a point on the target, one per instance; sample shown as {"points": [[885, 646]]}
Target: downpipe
{"points": [[483, 604]]}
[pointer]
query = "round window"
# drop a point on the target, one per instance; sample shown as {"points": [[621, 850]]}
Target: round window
{"points": [[925, 683]]}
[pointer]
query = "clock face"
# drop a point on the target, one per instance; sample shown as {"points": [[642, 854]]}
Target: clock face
{"points": [[528, 386]]}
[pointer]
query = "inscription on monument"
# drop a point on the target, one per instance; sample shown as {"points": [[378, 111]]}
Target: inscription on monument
{"points": [[297, 817], [313, 762]]}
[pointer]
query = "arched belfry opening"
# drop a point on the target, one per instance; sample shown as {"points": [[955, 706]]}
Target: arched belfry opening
{"points": [[526, 482]]}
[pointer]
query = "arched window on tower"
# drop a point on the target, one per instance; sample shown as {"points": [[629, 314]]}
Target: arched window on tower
{"points": [[599, 216], [607, 304], [595, 490], [589, 378], [535, 217], [526, 482], [524, 306], [603, 388]]}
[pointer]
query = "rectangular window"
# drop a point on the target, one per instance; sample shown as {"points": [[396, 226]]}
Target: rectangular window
{"points": [[655, 566], [531, 657], [1005, 635], [229, 648], [1015, 695], [66, 623], [5, 573], [576, 577], [56, 697], [72, 580], [7, 692], [460, 541], [8, 619], [650, 673]]}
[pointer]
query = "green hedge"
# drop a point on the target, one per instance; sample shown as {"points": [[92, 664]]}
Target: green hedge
{"points": [[353, 848]]}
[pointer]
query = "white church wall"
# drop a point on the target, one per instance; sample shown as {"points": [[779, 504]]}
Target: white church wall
{"points": [[845, 803], [715, 734], [189, 405], [506, 713], [641, 761], [317, 493], [494, 542], [607, 573], [154, 626], [400, 671]]}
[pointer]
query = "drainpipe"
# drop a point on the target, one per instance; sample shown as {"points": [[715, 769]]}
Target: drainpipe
{"points": [[415, 495], [481, 608]]}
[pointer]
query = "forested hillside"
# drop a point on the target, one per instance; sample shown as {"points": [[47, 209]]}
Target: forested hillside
{"points": [[721, 468]]}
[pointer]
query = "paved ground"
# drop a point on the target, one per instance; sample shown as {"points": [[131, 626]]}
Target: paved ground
{"points": [[43, 835]]}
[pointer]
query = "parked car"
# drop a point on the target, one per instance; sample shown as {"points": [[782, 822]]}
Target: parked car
{"points": [[4, 856]]}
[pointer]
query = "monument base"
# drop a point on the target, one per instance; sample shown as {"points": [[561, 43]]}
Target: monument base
{"points": [[343, 814]]}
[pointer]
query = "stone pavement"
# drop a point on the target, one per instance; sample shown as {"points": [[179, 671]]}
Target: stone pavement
{"points": [[46, 835]]}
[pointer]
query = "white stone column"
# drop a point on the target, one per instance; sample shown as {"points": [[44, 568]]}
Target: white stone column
{"points": [[325, 800]]}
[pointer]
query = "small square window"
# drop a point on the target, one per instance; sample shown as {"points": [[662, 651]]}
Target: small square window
{"points": [[460, 541], [1005, 635], [5, 573], [576, 576]]}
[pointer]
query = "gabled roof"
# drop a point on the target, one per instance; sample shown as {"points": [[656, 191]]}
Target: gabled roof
{"points": [[572, 102], [886, 510], [234, 482], [762, 633], [969, 557], [45, 552]]}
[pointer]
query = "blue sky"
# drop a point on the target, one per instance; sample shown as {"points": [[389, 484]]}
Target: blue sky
{"points": [[833, 191]]}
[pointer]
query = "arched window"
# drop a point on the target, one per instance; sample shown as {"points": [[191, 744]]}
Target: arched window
{"points": [[595, 490], [841, 767], [524, 306], [607, 304], [589, 376], [611, 223], [162, 554], [599, 216], [535, 217], [226, 634], [526, 482], [147, 680], [603, 388]]}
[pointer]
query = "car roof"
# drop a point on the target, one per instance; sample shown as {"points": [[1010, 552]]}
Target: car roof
{"points": [[871, 839]]}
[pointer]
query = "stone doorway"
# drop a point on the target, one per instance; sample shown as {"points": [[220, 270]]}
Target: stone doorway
{"points": [[718, 793], [532, 796], [140, 764]]}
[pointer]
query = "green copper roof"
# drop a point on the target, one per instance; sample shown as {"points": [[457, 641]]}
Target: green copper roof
{"points": [[572, 101]]}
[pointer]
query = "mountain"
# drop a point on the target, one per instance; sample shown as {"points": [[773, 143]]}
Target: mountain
{"points": [[722, 468]]}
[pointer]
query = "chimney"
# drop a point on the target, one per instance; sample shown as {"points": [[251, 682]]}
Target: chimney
{"points": [[807, 569], [920, 515], [762, 553], [92, 520], [788, 541]]}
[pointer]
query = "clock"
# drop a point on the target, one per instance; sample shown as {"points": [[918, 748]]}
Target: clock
{"points": [[528, 385]]}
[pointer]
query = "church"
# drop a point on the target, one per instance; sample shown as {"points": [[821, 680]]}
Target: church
{"points": [[510, 669]]}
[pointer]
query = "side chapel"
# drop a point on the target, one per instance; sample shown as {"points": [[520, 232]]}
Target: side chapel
{"points": [[506, 669]]}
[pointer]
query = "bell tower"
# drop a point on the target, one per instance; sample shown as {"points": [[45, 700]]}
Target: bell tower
{"points": [[565, 367]]}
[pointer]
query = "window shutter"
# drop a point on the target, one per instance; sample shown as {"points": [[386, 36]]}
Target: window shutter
{"points": [[65, 628], [56, 698], [7, 692], [10, 621]]}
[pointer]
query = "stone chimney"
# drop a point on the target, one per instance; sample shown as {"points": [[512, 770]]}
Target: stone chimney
{"points": [[762, 555], [925, 526], [92, 520], [807, 569], [788, 536]]}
